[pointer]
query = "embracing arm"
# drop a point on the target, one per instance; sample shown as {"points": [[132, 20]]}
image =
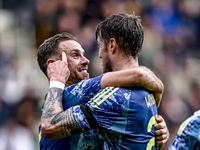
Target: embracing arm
{"points": [[136, 77]]}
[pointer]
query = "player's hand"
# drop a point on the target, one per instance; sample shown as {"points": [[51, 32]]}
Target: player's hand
{"points": [[58, 70], [161, 132], [152, 83]]}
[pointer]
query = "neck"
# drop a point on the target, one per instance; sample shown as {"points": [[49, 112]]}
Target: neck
{"points": [[123, 63]]}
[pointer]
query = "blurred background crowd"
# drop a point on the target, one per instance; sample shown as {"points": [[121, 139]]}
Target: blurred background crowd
{"points": [[171, 49]]}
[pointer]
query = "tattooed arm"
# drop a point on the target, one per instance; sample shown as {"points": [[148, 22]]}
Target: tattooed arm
{"points": [[55, 122]]}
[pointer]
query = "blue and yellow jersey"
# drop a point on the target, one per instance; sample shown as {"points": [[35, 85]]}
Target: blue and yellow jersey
{"points": [[125, 118], [188, 136], [79, 94]]}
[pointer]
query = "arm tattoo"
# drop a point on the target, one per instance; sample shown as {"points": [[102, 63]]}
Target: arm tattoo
{"points": [[64, 121], [71, 125], [54, 95]]}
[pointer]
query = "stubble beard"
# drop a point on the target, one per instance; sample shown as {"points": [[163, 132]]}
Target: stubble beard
{"points": [[107, 66], [75, 78]]}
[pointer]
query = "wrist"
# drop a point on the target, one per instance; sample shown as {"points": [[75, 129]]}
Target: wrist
{"points": [[57, 84], [60, 79]]}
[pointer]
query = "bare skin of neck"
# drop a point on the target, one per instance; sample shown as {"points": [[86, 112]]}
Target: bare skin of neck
{"points": [[121, 62]]}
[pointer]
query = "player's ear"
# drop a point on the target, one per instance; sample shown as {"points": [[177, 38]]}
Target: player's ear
{"points": [[50, 61], [112, 45]]}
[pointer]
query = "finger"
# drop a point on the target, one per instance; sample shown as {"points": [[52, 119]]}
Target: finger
{"points": [[159, 119], [64, 57], [161, 141], [161, 138], [161, 133], [160, 126]]}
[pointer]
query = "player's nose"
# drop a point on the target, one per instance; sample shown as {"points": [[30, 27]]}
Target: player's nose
{"points": [[85, 60]]}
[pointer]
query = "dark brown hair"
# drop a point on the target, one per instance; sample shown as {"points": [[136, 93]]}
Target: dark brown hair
{"points": [[127, 31]]}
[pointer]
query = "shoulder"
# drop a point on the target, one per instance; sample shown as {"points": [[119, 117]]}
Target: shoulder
{"points": [[188, 129], [120, 93], [188, 123], [86, 88], [88, 83]]}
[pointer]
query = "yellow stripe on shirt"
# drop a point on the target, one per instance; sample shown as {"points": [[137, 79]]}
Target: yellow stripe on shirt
{"points": [[39, 137], [101, 94], [99, 103]]}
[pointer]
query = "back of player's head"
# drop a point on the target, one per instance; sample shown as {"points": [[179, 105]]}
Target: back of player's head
{"points": [[127, 31], [50, 48]]}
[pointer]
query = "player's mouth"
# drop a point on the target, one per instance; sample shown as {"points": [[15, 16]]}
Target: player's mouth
{"points": [[83, 71]]}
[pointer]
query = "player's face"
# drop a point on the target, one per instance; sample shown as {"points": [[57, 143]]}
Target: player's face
{"points": [[77, 62], [104, 55]]}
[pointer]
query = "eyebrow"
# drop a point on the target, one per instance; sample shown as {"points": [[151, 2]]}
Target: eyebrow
{"points": [[78, 51]]}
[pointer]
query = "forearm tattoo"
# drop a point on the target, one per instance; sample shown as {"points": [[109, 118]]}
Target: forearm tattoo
{"points": [[54, 95], [64, 120]]}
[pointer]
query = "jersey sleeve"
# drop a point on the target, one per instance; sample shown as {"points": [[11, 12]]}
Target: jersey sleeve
{"points": [[84, 117]]}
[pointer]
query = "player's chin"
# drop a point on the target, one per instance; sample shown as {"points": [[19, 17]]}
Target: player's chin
{"points": [[84, 75]]}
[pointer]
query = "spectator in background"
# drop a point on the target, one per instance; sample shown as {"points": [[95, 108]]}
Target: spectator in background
{"points": [[18, 130]]}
